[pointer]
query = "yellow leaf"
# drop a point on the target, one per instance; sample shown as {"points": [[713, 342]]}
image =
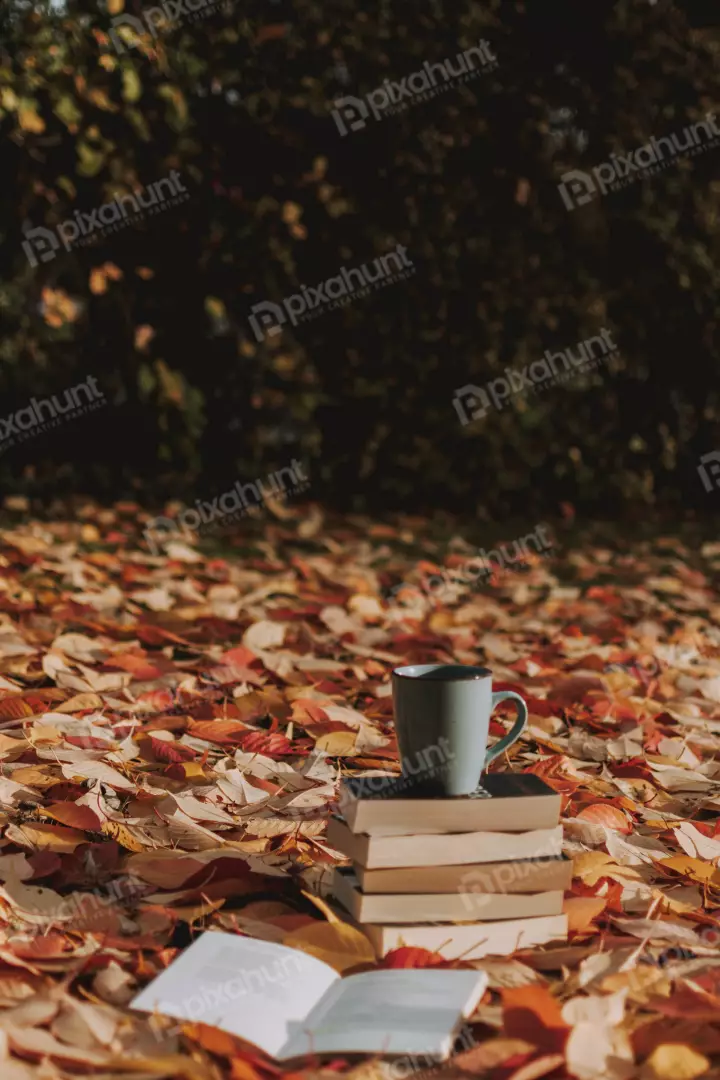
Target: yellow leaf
{"points": [[122, 835], [66, 184], [175, 97], [581, 910], [642, 983], [591, 866], [337, 743], [337, 944], [99, 98], [98, 281], [79, 702], [44, 733], [143, 336], [171, 383], [589, 862], [252, 847], [291, 213], [132, 87], [38, 776], [215, 307], [58, 308], [320, 165], [322, 905], [441, 620], [30, 120], [674, 1061], [697, 870], [12, 748], [681, 901], [192, 770]]}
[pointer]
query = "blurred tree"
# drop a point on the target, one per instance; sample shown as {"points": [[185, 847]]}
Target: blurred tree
{"points": [[239, 102]]}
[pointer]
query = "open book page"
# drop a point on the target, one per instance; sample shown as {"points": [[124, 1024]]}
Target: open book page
{"points": [[392, 1012], [254, 989]]}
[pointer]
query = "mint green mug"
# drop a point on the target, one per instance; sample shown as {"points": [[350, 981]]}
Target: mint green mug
{"points": [[442, 717]]}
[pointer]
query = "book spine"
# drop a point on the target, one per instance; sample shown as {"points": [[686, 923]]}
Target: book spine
{"points": [[469, 942]]}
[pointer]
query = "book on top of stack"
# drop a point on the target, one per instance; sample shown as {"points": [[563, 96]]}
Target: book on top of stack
{"points": [[468, 876]]}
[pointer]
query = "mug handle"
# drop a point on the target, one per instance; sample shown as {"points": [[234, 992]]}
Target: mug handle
{"points": [[515, 731]]}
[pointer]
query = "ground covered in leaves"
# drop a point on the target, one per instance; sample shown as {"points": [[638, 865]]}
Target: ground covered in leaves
{"points": [[172, 731]]}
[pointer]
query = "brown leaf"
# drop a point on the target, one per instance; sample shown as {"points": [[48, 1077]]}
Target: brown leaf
{"points": [[271, 32], [491, 1053], [337, 944], [45, 837], [538, 1067]]}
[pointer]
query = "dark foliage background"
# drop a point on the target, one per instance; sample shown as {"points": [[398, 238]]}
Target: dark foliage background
{"points": [[238, 101]]}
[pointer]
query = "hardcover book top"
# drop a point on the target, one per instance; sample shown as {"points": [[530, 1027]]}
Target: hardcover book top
{"points": [[492, 786]]}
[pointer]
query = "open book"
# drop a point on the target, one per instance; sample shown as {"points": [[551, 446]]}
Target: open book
{"points": [[290, 1003]]}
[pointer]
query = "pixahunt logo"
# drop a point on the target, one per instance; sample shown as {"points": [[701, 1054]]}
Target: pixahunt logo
{"points": [[709, 470], [42, 245], [127, 30], [45, 413], [267, 319], [352, 113], [472, 402], [232, 505], [486, 564], [578, 188]]}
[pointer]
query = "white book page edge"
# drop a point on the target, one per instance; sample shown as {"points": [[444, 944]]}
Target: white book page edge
{"points": [[390, 1012], [257, 990]]}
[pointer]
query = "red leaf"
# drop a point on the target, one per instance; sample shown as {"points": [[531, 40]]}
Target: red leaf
{"points": [[171, 751], [262, 742], [14, 708], [413, 957], [239, 656], [44, 863], [223, 732]]}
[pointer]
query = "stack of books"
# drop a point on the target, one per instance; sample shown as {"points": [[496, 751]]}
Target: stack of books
{"points": [[470, 876]]}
